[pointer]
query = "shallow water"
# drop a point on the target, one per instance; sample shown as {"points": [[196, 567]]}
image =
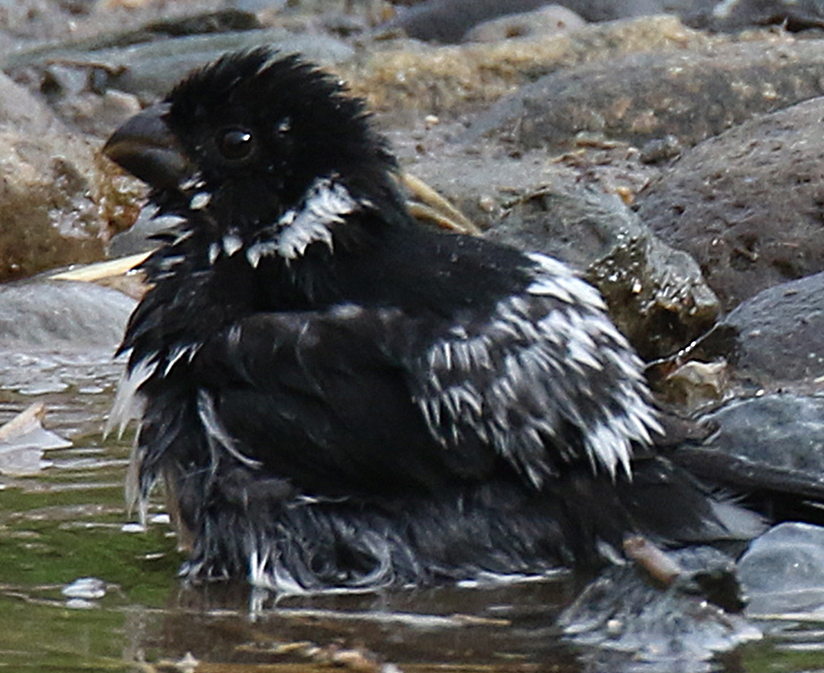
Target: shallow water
{"points": [[69, 522]]}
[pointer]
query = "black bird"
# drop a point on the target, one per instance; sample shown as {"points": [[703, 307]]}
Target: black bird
{"points": [[338, 396]]}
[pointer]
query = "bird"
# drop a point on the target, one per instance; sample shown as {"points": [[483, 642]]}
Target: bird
{"points": [[338, 397]]}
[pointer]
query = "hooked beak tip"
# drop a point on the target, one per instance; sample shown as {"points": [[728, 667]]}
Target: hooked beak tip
{"points": [[146, 148]]}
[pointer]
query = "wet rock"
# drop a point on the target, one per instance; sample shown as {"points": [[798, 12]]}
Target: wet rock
{"points": [[656, 294], [544, 21], [782, 430], [770, 448], [48, 189], [57, 336], [629, 620], [647, 96], [783, 571], [777, 335], [719, 203], [56, 315]]}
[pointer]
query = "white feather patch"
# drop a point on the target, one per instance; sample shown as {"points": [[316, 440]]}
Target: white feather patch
{"points": [[544, 359], [325, 205], [128, 403], [216, 432], [556, 279], [200, 200], [232, 243]]}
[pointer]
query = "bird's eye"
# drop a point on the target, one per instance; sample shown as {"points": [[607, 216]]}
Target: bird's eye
{"points": [[235, 143]]}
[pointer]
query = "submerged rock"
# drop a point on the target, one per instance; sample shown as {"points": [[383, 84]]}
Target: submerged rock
{"points": [[783, 571], [627, 620]]}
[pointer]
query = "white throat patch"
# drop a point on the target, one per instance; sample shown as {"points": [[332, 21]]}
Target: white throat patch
{"points": [[324, 205]]}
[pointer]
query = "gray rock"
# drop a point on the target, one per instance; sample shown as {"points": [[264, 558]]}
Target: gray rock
{"points": [[150, 69], [778, 335], [769, 448], [648, 96], [783, 571], [656, 295], [734, 15], [449, 20], [780, 430], [544, 21], [56, 315], [747, 204]]}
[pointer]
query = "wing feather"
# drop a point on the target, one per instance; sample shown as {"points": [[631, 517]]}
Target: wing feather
{"points": [[356, 394]]}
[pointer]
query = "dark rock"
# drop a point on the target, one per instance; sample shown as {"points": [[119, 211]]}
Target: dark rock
{"points": [[647, 96], [782, 430], [778, 335], [769, 448], [783, 570], [223, 21], [720, 202]]}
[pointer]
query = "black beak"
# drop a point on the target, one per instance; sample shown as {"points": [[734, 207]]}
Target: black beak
{"points": [[145, 147]]}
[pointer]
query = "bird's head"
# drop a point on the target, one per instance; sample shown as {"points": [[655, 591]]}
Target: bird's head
{"points": [[249, 139]]}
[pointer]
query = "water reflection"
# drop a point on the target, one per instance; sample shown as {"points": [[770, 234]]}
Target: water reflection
{"points": [[69, 521]]}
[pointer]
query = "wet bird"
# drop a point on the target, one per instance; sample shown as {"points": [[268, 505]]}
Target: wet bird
{"points": [[336, 396]]}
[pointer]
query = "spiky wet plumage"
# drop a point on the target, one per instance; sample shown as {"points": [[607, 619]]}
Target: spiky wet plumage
{"points": [[336, 396]]}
